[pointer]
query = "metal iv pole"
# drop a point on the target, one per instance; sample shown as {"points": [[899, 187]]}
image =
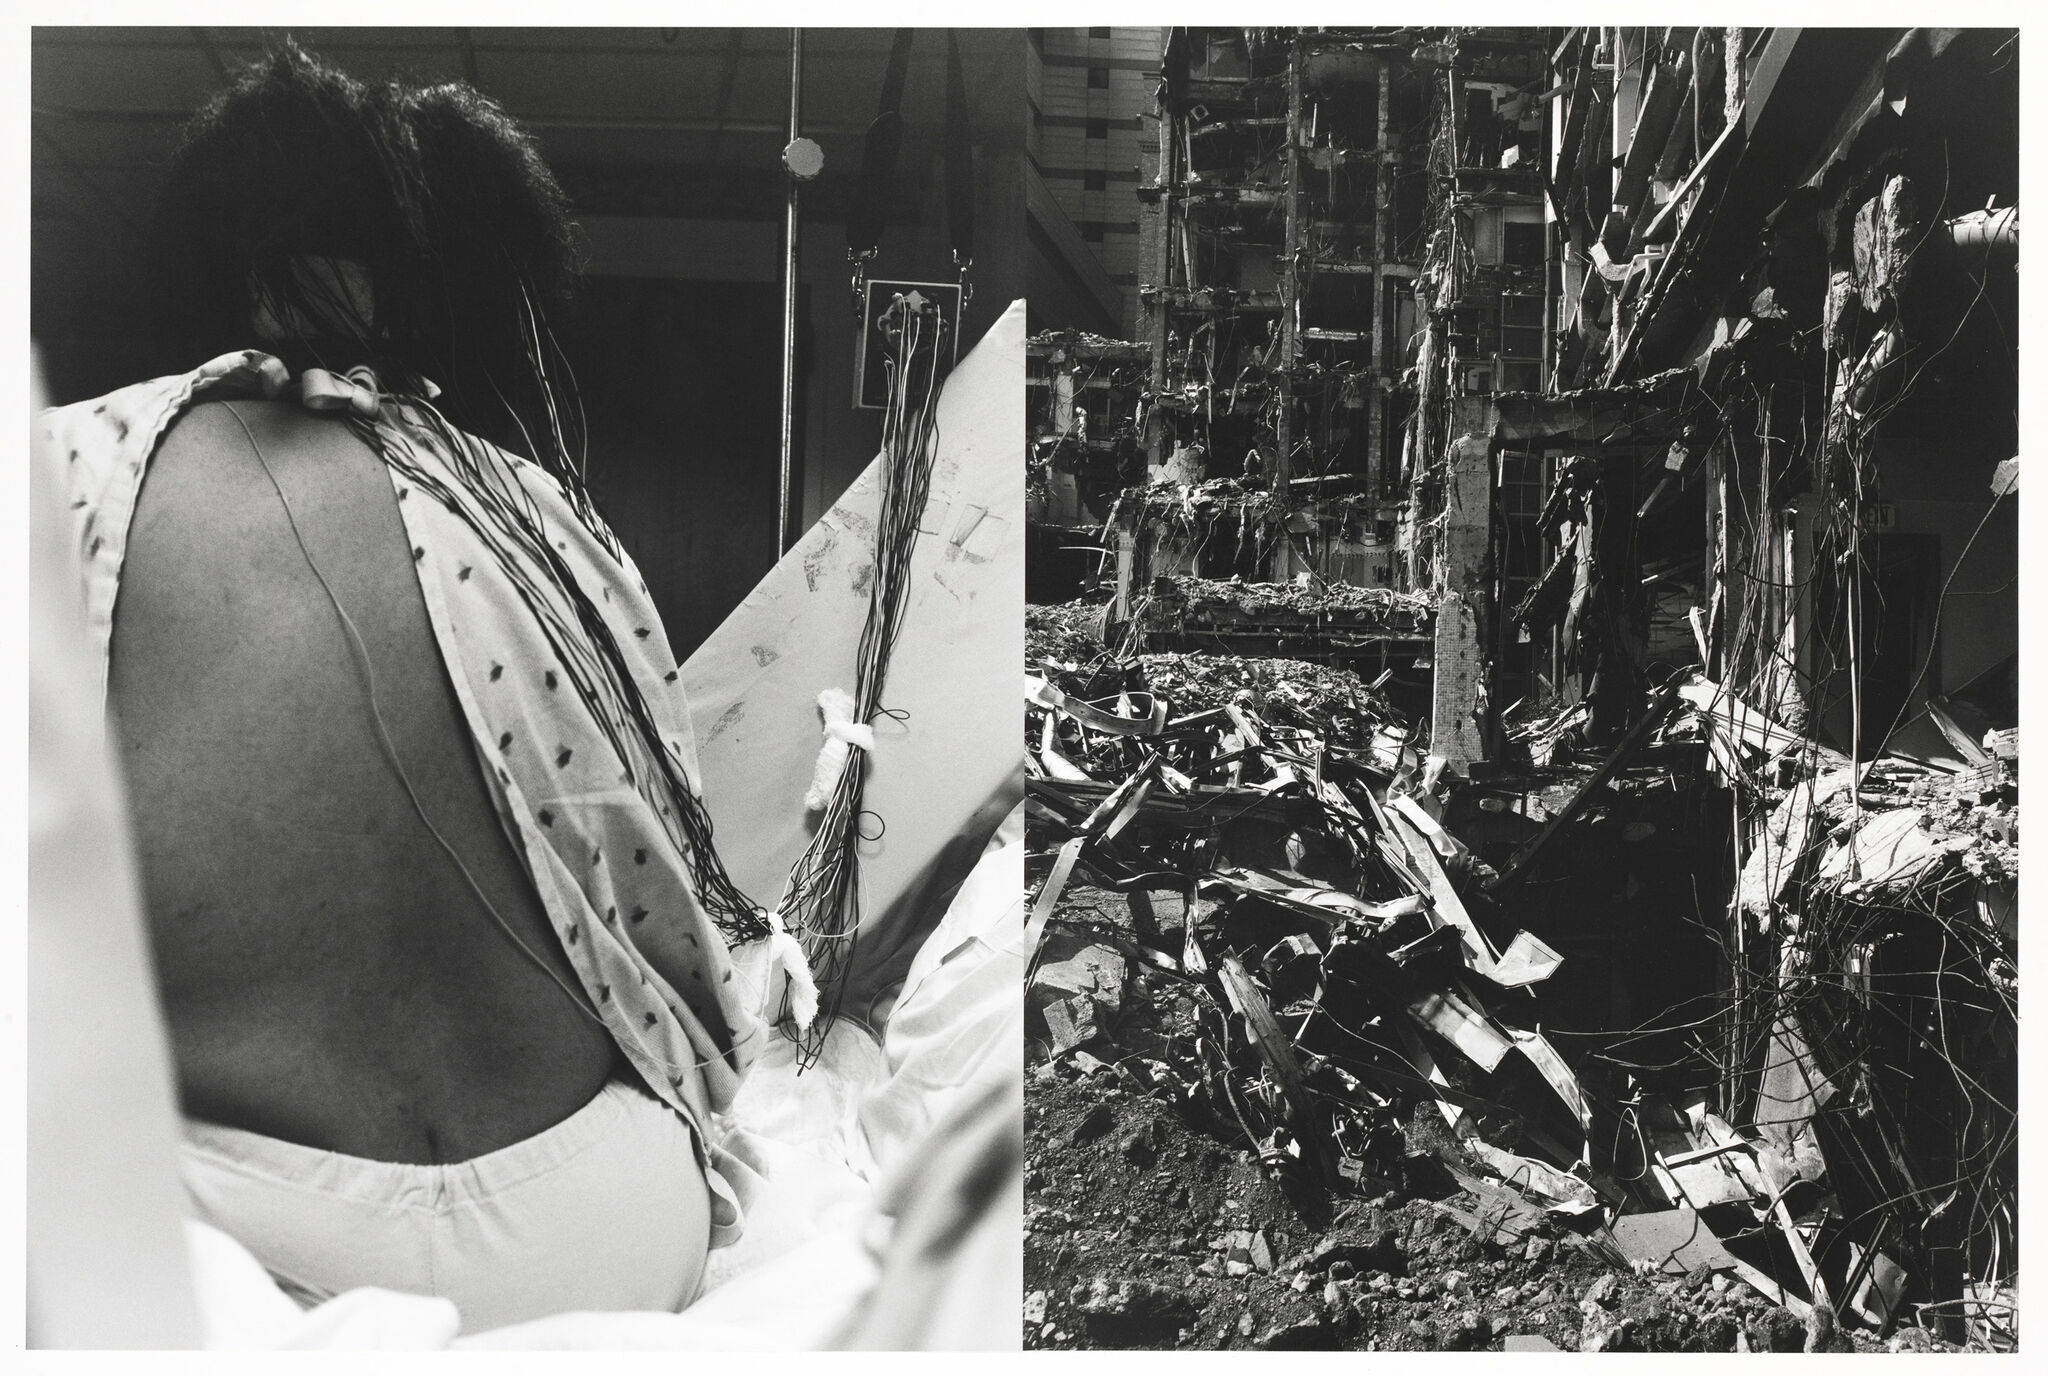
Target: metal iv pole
{"points": [[783, 538]]}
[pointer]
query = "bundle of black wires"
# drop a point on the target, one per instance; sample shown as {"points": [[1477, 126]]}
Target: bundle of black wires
{"points": [[822, 905]]}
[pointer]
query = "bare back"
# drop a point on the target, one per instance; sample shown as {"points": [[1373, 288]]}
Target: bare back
{"points": [[329, 976]]}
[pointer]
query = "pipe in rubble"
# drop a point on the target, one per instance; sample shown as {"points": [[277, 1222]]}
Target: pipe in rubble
{"points": [[1989, 231]]}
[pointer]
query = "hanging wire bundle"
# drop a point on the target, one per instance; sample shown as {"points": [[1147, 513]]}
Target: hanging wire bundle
{"points": [[822, 905], [537, 393], [487, 497]]}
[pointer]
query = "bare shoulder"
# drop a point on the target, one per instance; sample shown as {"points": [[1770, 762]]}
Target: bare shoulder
{"points": [[226, 435], [212, 494]]}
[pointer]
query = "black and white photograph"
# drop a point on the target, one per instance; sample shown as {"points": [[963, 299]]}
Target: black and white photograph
{"points": [[527, 541], [1522, 683], [1509, 536]]}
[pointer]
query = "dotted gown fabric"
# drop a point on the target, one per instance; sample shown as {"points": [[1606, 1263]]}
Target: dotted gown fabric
{"points": [[615, 886]]}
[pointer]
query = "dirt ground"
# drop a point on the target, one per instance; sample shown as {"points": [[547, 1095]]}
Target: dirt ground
{"points": [[1150, 1226]]}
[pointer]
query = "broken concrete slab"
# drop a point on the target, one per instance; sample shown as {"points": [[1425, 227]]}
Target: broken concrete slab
{"points": [[1792, 1091], [1070, 965], [1876, 1300], [1673, 1241], [1070, 1022]]}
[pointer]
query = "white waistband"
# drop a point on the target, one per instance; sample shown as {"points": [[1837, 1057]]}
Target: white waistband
{"points": [[608, 1209], [400, 1184]]}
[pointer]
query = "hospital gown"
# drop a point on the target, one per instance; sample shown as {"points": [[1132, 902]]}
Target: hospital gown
{"points": [[585, 804]]}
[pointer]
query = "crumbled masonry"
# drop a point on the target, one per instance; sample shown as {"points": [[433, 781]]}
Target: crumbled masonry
{"points": [[1274, 990]]}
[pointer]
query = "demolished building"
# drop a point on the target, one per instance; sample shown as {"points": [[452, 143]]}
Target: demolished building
{"points": [[1083, 397], [1779, 460], [1675, 860], [1282, 230]]}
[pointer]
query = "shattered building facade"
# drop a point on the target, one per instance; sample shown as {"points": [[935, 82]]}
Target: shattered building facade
{"points": [[1082, 397], [1675, 860], [1782, 443], [1290, 215], [1282, 230], [1769, 488]]}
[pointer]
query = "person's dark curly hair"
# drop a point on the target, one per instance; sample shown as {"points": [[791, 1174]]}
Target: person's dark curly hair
{"points": [[461, 230], [499, 243]]}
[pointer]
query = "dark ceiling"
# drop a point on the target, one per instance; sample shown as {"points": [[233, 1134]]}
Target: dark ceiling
{"points": [[677, 123], [107, 102]]}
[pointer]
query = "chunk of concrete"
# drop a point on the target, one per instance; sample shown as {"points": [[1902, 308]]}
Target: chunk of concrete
{"points": [[1072, 966]]}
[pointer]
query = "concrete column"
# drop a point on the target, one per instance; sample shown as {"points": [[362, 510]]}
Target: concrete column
{"points": [[1463, 583], [1127, 571], [1735, 74], [1282, 566], [1382, 248], [1156, 230]]}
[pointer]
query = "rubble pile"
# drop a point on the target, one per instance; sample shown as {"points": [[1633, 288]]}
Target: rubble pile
{"points": [[1890, 913], [1065, 641], [1303, 620], [1291, 691], [1264, 601], [1143, 1231], [1068, 633], [1300, 1013]]}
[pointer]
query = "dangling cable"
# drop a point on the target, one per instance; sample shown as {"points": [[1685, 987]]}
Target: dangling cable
{"points": [[360, 655], [823, 904], [502, 514]]}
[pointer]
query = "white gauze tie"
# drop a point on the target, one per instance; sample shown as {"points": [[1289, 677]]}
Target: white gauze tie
{"points": [[842, 733], [786, 955]]}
